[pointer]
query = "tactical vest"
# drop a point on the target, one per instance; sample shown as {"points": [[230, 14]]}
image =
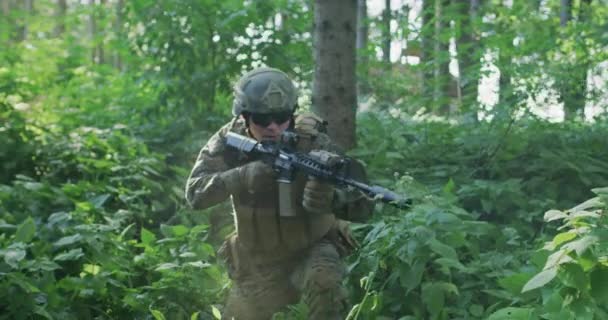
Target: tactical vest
{"points": [[261, 229]]}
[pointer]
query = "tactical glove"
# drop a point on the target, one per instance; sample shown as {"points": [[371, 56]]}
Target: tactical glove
{"points": [[252, 176], [318, 196]]}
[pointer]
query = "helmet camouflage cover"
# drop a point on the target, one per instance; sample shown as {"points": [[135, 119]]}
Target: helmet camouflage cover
{"points": [[264, 90]]}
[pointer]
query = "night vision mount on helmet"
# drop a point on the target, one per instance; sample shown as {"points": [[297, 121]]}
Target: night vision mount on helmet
{"points": [[264, 90]]}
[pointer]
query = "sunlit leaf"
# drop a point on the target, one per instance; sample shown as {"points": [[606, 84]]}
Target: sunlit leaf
{"points": [[73, 254], [540, 279]]}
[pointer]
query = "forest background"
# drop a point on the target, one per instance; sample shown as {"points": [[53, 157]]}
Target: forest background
{"points": [[104, 105]]}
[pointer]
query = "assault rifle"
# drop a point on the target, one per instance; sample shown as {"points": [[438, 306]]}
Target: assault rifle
{"points": [[322, 165]]}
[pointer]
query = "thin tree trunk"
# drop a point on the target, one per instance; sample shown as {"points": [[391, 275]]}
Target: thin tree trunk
{"points": [[334, 91], [573, 87], [386, 33], [427, 48], [28, 9], [93, 31], [6, 7], [362, 40], [118, 31], [565, 12], [469, 57], [442, 57], [60, 13], [100, 44], [97, 54]]}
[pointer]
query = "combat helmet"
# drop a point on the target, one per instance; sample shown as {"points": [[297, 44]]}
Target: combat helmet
{"points": [[264, 90]]}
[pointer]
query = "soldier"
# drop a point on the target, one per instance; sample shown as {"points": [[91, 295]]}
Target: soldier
{"points": [[274, 260]]}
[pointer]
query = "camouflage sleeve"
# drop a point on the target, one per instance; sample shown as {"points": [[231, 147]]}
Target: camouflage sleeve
{"points": [[349, 204], [205, 187]]}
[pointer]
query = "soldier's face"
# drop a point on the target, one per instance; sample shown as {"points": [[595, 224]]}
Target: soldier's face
{"points": [[268, 130]]}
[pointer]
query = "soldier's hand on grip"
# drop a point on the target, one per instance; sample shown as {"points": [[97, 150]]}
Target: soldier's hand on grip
{"points": [[318, 196], [252, 176]]}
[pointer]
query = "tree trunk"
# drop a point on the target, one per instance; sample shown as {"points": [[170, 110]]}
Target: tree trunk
{"points": [[506, 94], [6, 7], [386, 34], [97, 54], [427, 59], [573, 85], [60, 13], [469, 57], [118, 34], [565, 12], [334, 90], [443, 77], [362, 40], [28, 9], [93, 32]]}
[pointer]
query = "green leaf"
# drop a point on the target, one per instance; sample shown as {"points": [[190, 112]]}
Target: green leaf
{"points": [[410, 276], [559, 257], [581, 245], [512, 313], [26, 231], [12, 256], [589, 204], [433, 297], [572, 275], [173, 231], [157, 314], [166, 266], [66, 241], [71, 255], [599, 285], [147, 237], [443, 249], [24, 282], [515, 282], [540, 279], [552, 215], [194, 316], [99, 200], [216, 312], [553, 303], [563, 237], [476, 310]]}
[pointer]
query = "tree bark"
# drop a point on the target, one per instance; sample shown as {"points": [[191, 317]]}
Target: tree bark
{"points": [[565, 12], [427, 59], [573, 85], [60, 13], [386, 33], [97, 54], [469, 57], [118, 33], [28, 9], [443, 78], [6, 7], [334, 90]]}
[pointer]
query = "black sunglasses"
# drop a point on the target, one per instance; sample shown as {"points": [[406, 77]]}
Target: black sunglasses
{"points": [[265, 119]]}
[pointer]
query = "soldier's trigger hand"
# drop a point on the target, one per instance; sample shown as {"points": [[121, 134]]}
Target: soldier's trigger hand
{"points": [[250, 177], [318, 196], [257, 175]]}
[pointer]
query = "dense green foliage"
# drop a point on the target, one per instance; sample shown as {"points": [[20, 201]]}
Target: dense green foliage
{"points": [[510, 213]]}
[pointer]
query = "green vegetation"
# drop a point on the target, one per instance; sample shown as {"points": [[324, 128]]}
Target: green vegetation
{"points": [[511, 212]]}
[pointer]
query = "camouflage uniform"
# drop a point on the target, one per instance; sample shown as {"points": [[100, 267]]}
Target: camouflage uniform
{"points": [[273, 260]]}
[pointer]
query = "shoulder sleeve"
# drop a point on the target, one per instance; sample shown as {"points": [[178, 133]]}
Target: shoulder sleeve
{"points": [[204, 187]]}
